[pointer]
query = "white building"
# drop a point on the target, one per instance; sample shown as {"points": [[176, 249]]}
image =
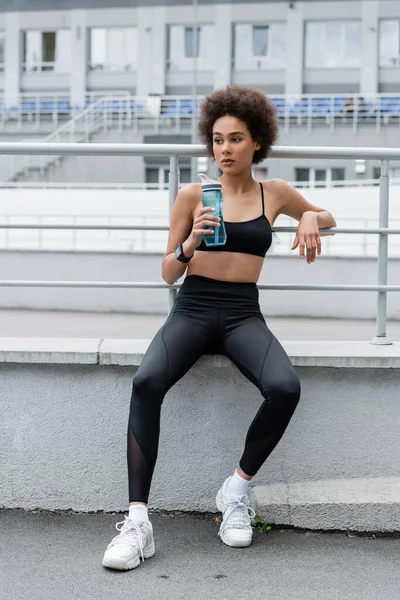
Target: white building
{"points": [[310, 56]]}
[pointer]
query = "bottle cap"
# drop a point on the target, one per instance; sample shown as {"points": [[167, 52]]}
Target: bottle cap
{"points": [[211, 186], [208, 184]]}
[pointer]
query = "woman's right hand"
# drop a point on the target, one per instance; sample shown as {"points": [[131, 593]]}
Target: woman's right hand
{"points": [[200, 221]]}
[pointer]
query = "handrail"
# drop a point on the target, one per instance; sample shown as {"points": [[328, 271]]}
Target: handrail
{"points": [[91, 120], [107, 149], [175, 112], [176, 150], [132, 185]]}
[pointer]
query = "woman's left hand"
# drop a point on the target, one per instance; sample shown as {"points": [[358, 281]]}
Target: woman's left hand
{"points": [[307, 236]]}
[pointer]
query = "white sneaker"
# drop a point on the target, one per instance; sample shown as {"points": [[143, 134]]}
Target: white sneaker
{"points": [[236, 529], [134, 542]]}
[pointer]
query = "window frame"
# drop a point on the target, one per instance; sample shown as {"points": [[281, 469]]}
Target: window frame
{"points": [[46, 66], [3, 39], [107, 65], [162, 182], [344, 61], [395, 59], [312, 181], [250, 61], [182, 62]]}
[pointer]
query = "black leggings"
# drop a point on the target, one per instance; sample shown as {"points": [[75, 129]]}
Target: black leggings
{"points": [[210, 316]]}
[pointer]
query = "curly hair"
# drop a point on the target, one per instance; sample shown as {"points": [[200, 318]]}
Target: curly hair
{"points": [[250, 106]]}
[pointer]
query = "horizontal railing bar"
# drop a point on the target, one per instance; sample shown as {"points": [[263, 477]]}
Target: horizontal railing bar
{"points": [[106, 149], [372, 230], [84, 227], [123, 185], [161, 285], [68, 226]]}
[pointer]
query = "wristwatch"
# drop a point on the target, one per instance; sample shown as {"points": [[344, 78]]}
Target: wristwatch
{"points": [[180, 256]]}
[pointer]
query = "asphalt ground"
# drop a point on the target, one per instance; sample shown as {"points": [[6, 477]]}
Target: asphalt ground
{"points": [[35, 323], [58, 556]]}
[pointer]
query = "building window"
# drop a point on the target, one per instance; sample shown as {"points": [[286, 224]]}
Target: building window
{"points": [[389, 43], [2, 45], [257, 46], [337, 175], [192, 42], [47, 51], [260, 173], [184, 175], [182, 48], [333, 44], [113, 49], [260, 41], [157, 177], [376, 173], [394, 173], [310, 177]]}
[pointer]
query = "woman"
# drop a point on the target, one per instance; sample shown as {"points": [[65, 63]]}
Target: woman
{"points": [[239, 126]]}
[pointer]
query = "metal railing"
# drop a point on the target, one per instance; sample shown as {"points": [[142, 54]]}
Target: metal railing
{"points": [[140, 185], [78, 129], [175, 112], [154, 240], [385, 155], [36, 109]]}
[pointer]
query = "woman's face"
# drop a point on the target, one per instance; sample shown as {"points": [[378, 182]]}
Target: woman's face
{"points": [[233, 146]]}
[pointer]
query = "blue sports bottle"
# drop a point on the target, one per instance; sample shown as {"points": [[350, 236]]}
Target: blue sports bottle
{"points": [[211, 195]]}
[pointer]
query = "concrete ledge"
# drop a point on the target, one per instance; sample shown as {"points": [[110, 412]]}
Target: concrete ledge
{"points": [[129, 352], [365, 504], [65, 402], [49, 350]]}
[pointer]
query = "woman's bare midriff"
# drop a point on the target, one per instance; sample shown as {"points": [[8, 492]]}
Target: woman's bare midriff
{"points": [[226, 266]]}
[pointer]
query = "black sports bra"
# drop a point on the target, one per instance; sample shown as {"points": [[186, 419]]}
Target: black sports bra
{"points": [[249, 237]]}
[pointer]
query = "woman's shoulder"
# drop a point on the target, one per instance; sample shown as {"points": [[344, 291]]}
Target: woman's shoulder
{"points": [[190, 189], [275, 186], [189, 196], [190, 192], [277, 192]]}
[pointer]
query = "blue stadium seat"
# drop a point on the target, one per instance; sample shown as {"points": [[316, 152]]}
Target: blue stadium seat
{"points": [[64, 106], [28, 106], [384, 104], [185, 108], [46, 106], [321, 111], [171, 109], [394, 108]]}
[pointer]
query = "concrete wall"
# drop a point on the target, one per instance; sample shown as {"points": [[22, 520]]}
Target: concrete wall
{"points": [[64, 406], [78, 266]]}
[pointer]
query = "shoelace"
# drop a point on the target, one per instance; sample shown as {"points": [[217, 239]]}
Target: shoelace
{"points": [[237, 513], [129, 534]]}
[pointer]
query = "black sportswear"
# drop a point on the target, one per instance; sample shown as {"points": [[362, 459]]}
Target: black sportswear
{"points": [[249, 237], [210, 316]]}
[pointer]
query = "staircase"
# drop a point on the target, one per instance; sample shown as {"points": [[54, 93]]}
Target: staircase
{"points": [[98, 117]]}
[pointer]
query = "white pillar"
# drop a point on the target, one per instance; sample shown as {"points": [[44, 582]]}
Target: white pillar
{"points": [[369, 47], [13, 58], [152, 58], [224, 41], [295, 50], [79, 57]]}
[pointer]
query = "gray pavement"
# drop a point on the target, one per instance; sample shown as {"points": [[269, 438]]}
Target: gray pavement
{"points": [[46, 556], [35, 323]]}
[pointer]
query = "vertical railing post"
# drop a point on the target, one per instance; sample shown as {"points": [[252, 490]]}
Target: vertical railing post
{"points": [[380, 337], [173, 190]]}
